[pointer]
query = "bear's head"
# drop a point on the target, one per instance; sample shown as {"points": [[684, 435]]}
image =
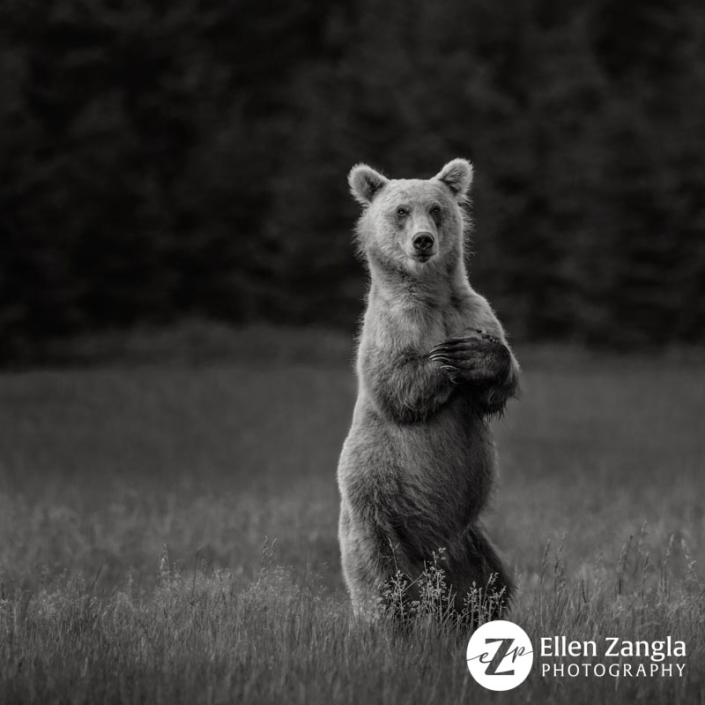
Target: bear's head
{"points": [[412, 225]]}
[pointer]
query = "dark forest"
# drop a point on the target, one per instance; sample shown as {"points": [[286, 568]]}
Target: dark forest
{"points": [[162, 160]]}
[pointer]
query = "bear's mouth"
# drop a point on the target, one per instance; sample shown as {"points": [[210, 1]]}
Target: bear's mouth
{"points": [[423, 257]]}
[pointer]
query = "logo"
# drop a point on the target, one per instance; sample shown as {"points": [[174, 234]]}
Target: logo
{"points": [[500, 655]]}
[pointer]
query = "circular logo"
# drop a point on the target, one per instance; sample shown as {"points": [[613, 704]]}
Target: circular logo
{"points": [[500, 655]]}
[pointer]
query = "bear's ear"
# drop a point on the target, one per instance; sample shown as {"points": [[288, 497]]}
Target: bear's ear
{"points": [[457, 176], [365, 182]]}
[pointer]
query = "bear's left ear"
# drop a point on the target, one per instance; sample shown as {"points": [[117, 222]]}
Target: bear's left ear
{"points": [[365, 182], [457, 176]]}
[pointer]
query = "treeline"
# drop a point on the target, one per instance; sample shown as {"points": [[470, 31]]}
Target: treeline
{"points": [[175, 158]]}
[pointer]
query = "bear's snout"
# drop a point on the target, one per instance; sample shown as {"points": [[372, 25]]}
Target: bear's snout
{"points": [[423, 243]]}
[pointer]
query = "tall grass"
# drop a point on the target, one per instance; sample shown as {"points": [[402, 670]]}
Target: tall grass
{"points": [[167, 535], [205, 636]]}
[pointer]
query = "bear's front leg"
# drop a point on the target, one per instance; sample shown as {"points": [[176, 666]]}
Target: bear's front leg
{"points": [[484, 364], [407, 386]]}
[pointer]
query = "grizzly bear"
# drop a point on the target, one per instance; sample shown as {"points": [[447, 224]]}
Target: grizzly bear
{"points": [[433, 365]]}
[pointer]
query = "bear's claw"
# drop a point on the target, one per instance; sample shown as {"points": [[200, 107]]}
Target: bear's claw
{"points": [[485, 335], [460, 348], [467, 357]]}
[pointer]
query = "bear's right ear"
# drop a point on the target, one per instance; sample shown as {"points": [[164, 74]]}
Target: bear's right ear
{"points": [[457, 176], [365, 182]]}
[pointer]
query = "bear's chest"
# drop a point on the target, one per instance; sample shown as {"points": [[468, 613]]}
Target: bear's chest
{"points": [[425, 326]]}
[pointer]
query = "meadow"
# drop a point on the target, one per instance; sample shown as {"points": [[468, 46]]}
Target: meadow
{"points": [[168, 529]]}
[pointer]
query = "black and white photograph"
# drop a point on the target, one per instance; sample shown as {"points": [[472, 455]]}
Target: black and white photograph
{"points": [[352, 352]]}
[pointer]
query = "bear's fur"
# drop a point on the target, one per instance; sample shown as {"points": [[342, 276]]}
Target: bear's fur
{"points": [[433, 364]]}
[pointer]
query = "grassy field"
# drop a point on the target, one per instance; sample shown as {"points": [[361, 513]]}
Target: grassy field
{"points": [[168, 531]]}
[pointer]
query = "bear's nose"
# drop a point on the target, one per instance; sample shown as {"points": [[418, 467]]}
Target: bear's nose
{"points": [[423, 242]]}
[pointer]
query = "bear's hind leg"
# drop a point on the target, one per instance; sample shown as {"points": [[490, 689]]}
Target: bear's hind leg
{"points": [[375, 567], [483, 577]]}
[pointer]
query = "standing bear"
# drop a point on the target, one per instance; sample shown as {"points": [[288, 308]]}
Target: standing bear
{"points": [[433, 366]]}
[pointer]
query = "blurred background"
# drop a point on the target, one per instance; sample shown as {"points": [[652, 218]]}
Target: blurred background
{"points": [[188, 159]]}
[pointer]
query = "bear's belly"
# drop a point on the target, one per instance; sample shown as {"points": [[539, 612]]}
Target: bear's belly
{"points": [[432, 477]]}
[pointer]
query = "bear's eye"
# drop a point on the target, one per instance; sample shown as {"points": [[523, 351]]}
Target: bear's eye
{"points": [[435, 210], [401, 212]]}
